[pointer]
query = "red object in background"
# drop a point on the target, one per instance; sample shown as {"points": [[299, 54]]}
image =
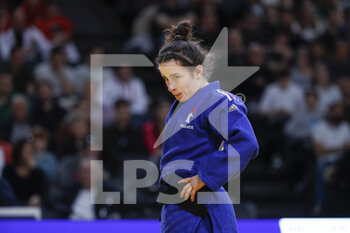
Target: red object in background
{"points": [[7, 151], [150, 136], [49, 25], [33, 10]]}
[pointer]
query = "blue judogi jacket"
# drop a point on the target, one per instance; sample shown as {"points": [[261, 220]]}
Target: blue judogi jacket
{"points": [[211, 130]]}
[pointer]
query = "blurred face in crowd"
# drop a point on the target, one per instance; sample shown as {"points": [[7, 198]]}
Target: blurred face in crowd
{"points": [[273, 14], [20, 109], [317, 51], [58, 59], [283, 81], [45, 91], [321, 76], [209, 20], [79, 128], [5, 84], [335, 18], [311, 100], [256, 55], [335, 114], [180, 80], [124, 73], [52, 10], [344, 84], [342, 51], [122, 111], [303, 60], [17, 57], [33, 3], [287, 19], [40, 143], [235, 39], [18, 20], [27, 155]]}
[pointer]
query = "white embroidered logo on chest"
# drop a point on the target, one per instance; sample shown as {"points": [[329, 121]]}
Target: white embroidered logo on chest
{"points": [[190, 116]]}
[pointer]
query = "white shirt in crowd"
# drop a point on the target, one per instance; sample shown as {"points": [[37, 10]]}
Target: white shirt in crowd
{"points": [[43, 71], [331, 137], [328, 96], [33, 41], [82, 207], [133, 91], [276, 98]]}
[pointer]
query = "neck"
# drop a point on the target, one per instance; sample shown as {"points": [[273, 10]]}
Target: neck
{"points": [[202, 84]]}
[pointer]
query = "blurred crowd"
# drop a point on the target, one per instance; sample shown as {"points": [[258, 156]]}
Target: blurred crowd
{"points": [[299, 100]]}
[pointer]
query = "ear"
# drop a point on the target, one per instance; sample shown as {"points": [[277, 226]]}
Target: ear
{"points": [[198, 71]]}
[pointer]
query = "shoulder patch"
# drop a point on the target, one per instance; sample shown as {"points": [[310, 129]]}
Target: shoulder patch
{"points": [[232, 108]]}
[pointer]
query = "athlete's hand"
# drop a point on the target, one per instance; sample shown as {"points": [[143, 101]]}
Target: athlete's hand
{"points": [[194, 184]]}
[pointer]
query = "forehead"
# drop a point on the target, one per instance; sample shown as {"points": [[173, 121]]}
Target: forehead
{"points": [[171, 67]]}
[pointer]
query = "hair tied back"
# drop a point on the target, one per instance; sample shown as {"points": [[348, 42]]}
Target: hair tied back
{"points": [[179, 37]]}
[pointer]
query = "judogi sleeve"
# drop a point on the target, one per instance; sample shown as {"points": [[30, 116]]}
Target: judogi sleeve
{"points": [[229, 123]]}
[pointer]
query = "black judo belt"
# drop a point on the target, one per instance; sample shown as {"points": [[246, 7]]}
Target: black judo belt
{"points": [[189, 206]]}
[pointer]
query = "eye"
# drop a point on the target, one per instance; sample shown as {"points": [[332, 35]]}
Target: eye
{"points": [[176, 77]]}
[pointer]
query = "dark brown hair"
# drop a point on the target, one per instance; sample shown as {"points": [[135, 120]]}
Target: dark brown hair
{"points": [[180, 45]]}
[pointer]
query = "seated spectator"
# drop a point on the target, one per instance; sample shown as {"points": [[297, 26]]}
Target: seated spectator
{"points": [[280, 55], [27, 181], [68, 169], [152, 129], [76, 137], [336, 27], [81, 206], [44, 159], [121, 140], [19, 126], [280, 101], [124, 85], [74, 201], [300, 126], [328, 93], [57, 72], [339, 62], [23, 80], [69, 99], [6, 96], [34, 43], [331, 139], [209, 25], [236, 51], [57, 28], [46, 112], [308, 27], [301, 73], [83, 72], [318, 53], [282, 98]]}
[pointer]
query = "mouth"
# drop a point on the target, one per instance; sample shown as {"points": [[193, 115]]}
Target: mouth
{"points": [[177, 96]]}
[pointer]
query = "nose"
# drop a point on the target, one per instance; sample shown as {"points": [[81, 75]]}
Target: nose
{"points": [[171, 86]]}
